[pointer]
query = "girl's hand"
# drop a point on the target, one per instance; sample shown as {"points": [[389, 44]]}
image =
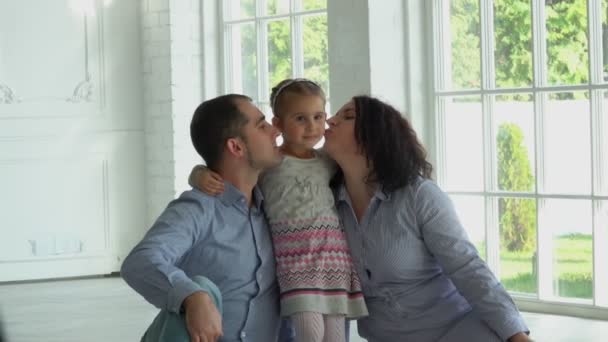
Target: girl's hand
{"points": [[207, 181]]}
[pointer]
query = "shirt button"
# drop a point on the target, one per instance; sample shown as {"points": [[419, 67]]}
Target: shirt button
{"points": [[243, 334]]}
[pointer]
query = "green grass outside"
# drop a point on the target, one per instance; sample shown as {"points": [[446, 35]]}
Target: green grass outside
{"points": [[574, 267]]}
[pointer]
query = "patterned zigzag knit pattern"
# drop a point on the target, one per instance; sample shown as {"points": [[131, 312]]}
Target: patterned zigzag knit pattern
{"points": [[314, 268]]}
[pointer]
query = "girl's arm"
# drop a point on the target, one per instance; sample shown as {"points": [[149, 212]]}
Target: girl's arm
{"points": [[205, 180]]}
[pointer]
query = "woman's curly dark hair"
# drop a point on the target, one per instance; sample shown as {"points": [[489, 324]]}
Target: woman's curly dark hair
{"points": [[394, 154]]}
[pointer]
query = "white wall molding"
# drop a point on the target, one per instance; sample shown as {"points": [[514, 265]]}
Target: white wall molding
{"points": [[17, 102], [71, 138]]}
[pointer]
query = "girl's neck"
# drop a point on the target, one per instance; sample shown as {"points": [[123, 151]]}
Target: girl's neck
{"points": [[301, 153]]}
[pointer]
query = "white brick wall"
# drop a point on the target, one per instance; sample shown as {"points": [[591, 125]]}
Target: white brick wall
{"points": [[171, 65]]}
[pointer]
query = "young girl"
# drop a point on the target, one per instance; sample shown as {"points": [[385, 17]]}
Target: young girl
{"points": [[318, 283]]}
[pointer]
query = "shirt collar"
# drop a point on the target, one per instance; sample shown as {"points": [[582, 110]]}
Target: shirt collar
{"points": [[231, 195], [342, 194]]}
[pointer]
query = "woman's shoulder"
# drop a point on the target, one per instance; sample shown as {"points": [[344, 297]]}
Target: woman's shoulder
{"points": [[421, 190]]}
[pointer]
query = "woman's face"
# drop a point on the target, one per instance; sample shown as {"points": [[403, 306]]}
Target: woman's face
{"points": [[340, 136]]}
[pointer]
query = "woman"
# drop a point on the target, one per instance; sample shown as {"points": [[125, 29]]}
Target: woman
{"points": [[422, 278]]}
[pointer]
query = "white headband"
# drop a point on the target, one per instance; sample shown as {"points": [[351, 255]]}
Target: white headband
{"points": [[289, 83]]}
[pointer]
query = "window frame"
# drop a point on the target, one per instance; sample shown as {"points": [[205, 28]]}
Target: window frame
{"points": [[295, 15], [544, 300]]}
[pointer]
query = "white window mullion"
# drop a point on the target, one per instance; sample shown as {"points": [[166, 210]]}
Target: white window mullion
{"points": [[233, 47], [596, 62], [297, 46], [441, 45], [262, 51], [296, 6], [539, 45], [263, 67], [544, 237], [440, 147], [223, 42], [442, 61], [486, 16], [600, 222]]}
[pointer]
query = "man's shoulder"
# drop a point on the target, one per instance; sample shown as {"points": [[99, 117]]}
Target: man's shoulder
{"points": [[197, 196], [194, 199]]}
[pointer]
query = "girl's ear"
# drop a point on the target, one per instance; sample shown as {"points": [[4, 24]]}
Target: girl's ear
{"points": [[276, 122]]}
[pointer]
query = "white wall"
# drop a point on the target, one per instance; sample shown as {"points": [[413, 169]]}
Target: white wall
{"points": [[180, 66], [100, 172], [72, 194]]}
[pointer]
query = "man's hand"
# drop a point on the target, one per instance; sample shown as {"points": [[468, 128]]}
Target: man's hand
{"points": [[203, 321], [519, 337]]}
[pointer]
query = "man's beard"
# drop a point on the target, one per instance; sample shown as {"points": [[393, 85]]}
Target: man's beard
{"points": [[258, 164]]}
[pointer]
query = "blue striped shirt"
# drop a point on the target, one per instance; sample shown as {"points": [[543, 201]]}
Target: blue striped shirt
{"points": [[420, 274], [218, 237]]}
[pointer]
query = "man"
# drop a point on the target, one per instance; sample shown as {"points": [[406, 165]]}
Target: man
{"points": [[207, 254]]}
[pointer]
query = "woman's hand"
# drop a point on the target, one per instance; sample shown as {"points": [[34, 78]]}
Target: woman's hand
{"points": [[207, 181]]}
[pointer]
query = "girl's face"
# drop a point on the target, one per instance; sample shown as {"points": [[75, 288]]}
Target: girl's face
{"points": [[302, 120], [340, 136]]}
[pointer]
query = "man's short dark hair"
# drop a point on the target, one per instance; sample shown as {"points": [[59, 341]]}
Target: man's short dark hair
{"points": [[214, 122]]}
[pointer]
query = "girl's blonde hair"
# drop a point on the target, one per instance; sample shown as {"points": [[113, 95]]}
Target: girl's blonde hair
{"points": [[300, 86]]}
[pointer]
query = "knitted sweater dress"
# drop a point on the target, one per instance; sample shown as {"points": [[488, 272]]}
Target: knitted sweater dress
{"points": [[314, 267]]}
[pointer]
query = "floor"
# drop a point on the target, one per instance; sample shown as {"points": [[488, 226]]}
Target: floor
{"points": [[105, 309]]}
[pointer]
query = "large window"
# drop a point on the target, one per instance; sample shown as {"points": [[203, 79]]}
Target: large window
{"points": [[266, 41], [521, 104]]}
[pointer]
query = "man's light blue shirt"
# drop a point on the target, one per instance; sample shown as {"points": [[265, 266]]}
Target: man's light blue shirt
{"points": [[222, 239]]}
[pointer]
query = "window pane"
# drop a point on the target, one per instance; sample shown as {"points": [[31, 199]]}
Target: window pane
{"points": [[572, 246], [517, 226], [274, 7], [567, 144], [265, 108], [279, 52], [243, 66], [471, 210], [514, 120], [464, 143], [239, 9], [567, 47], [513, 43], [316, 66], [314, 4], [602, 162], [466, 51]]}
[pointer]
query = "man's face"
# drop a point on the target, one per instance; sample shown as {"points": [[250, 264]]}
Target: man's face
{"points": [[260, 138]]}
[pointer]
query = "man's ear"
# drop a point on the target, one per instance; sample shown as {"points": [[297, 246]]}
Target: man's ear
{"points": [[235, 147]]}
